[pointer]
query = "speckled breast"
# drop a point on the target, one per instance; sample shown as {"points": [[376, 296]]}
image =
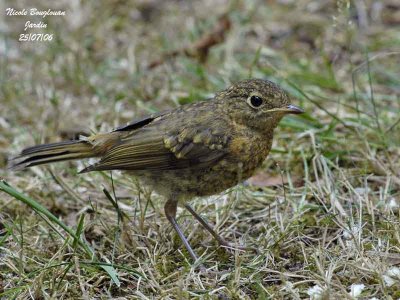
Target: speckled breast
{"points": [[243, 158]]}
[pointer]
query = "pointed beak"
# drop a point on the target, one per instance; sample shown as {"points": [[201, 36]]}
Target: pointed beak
{"points": [[290, 109], [293, 109]]}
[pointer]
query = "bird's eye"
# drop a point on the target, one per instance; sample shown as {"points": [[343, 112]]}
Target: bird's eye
{"points": [[255, 101]]}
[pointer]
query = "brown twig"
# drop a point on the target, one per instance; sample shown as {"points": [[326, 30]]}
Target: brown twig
{"points": [[201, 47]]}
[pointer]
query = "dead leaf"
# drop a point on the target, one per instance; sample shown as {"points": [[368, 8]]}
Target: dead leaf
{"points": [[263, 179]]}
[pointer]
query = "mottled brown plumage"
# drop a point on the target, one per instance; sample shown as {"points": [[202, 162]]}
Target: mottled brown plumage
{"points": [[195, 150]]}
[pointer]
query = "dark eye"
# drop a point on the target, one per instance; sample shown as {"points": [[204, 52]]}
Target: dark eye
{"points": [[255, 101]]}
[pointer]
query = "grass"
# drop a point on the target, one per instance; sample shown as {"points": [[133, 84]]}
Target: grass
{"points": [[330, 232]]}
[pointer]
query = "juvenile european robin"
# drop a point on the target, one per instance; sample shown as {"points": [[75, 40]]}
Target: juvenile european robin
{"points": [[198, 149]]}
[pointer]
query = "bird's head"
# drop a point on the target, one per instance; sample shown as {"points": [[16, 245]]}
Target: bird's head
{"points": [[256, 103]]}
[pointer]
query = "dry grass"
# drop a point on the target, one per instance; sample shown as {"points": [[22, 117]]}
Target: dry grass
{"points": [[332, 229]]}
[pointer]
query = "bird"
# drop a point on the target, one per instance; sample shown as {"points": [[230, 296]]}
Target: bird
{"points": [[195, 150]]}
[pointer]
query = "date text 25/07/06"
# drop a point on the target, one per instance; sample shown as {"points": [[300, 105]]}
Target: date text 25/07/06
{"points": [[35, 37]]}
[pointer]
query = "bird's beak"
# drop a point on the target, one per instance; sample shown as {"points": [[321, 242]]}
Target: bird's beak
{"points": [[290, 109], [293, 109]]}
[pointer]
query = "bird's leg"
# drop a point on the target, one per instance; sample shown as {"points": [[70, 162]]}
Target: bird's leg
{"points": [[170, 212], [207, 226], [211, 230]]}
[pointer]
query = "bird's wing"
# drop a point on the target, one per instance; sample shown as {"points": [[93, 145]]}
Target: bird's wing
{"points": [[151, 148]]}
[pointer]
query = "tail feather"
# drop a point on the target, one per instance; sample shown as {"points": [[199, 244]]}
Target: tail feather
{"points": [[55, 152]]}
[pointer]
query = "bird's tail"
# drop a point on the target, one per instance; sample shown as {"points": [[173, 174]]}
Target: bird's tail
{"points": [[49, 153]]}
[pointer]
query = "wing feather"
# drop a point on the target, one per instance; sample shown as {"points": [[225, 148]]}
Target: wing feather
{"points": [[149, 148]]}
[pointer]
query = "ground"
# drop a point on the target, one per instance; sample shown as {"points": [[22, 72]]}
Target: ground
{"points": [[331, 231]]}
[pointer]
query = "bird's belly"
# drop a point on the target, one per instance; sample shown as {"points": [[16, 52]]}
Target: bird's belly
{"points": [[186, 184]]}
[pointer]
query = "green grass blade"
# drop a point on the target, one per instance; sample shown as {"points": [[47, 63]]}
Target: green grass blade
{"points": [[78, 233], [5, 187]]}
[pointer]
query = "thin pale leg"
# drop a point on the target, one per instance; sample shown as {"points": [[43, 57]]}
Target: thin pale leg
{"points": [[170, 212], [211, 230]]}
